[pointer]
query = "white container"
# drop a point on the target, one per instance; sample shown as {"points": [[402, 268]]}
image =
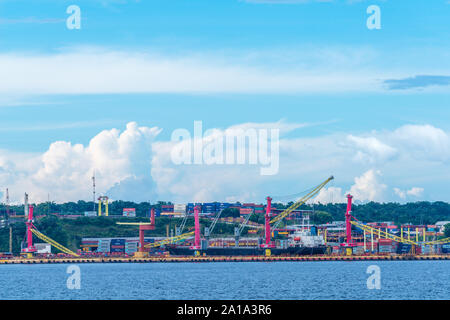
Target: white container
{"points": [[43, 247]]}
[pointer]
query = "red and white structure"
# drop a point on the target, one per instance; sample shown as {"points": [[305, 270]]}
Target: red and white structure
{"points": [[196, 245], [30, 248], [348, 226], [268, 232], [145, 227]]}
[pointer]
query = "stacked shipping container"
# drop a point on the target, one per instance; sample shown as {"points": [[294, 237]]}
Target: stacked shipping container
{"points": [[131, 246], [117, 246]]}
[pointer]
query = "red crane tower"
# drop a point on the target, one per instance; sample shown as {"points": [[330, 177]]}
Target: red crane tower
{"points": [[267, 229], [348, 227], [196, 245], [143, 226], [30, 248]]}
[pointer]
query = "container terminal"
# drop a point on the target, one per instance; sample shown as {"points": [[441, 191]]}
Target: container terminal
{"points": [[340, 240]]}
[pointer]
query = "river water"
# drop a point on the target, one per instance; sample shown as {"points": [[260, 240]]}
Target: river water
{"points": [[233, 280]]}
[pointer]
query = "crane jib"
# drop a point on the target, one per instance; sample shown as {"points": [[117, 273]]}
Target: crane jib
{"points": [[300, 202]]}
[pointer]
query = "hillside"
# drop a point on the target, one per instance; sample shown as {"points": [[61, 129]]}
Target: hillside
{"points": [[69, 232]]}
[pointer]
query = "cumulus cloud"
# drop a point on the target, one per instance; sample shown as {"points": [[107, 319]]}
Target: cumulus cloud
{"points": [[136, 164], [366, 187], [65, 169], [416, 192], [400, 193], [371, 149], [413, 192], [218, 179], [330, 195], [423, 141]]}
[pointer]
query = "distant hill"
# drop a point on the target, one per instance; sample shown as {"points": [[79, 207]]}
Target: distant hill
{"points": [[414, 212]]}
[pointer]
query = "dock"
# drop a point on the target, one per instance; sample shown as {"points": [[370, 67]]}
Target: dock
{"points": [[180, 259]]}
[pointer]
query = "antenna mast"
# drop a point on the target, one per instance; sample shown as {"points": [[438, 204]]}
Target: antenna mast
{"points": [[93, 190], [7, 203], [26, 208]]}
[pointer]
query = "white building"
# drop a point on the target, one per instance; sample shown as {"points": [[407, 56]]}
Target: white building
{"points": [[441, 225], [43, 247]]}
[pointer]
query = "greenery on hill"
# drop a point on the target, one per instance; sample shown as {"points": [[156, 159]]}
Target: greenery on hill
{"points": [[417, 212], [79, 207], [69, 232]]}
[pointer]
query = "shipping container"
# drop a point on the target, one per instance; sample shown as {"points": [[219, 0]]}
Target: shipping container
{"points": [[166, 208], [385, 249], [403, 248], [358, 250], [245, 211], [129, 212], [117, 242]]}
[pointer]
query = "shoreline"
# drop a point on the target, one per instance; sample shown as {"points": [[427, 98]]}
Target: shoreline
{"points": [[179, 259]]}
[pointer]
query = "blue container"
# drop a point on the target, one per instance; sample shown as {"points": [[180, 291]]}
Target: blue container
{"points": [[224, 205], [117, 242], [403, 248]]}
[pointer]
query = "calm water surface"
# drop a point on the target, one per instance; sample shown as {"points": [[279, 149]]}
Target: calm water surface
{"points": [[255, 280]]}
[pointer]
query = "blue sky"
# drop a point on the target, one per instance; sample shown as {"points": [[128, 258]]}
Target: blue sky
{"points": [[166, 64]]}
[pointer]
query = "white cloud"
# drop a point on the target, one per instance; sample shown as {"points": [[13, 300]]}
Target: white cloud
{"points": [[416, 192], [400, 193], [302, 69], [423, 141], [135, 164], [216, 182], [308, 159], [330, 195], [371, 149], [65, 169], [413, 192], [97, 70], [368, 187], [31, 20]]}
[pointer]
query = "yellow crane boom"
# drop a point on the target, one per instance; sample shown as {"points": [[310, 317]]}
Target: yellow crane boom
{"points": [[441, 241], [386, 235], [301, 201], [171, 240], [134, 223], [53, 242]]}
